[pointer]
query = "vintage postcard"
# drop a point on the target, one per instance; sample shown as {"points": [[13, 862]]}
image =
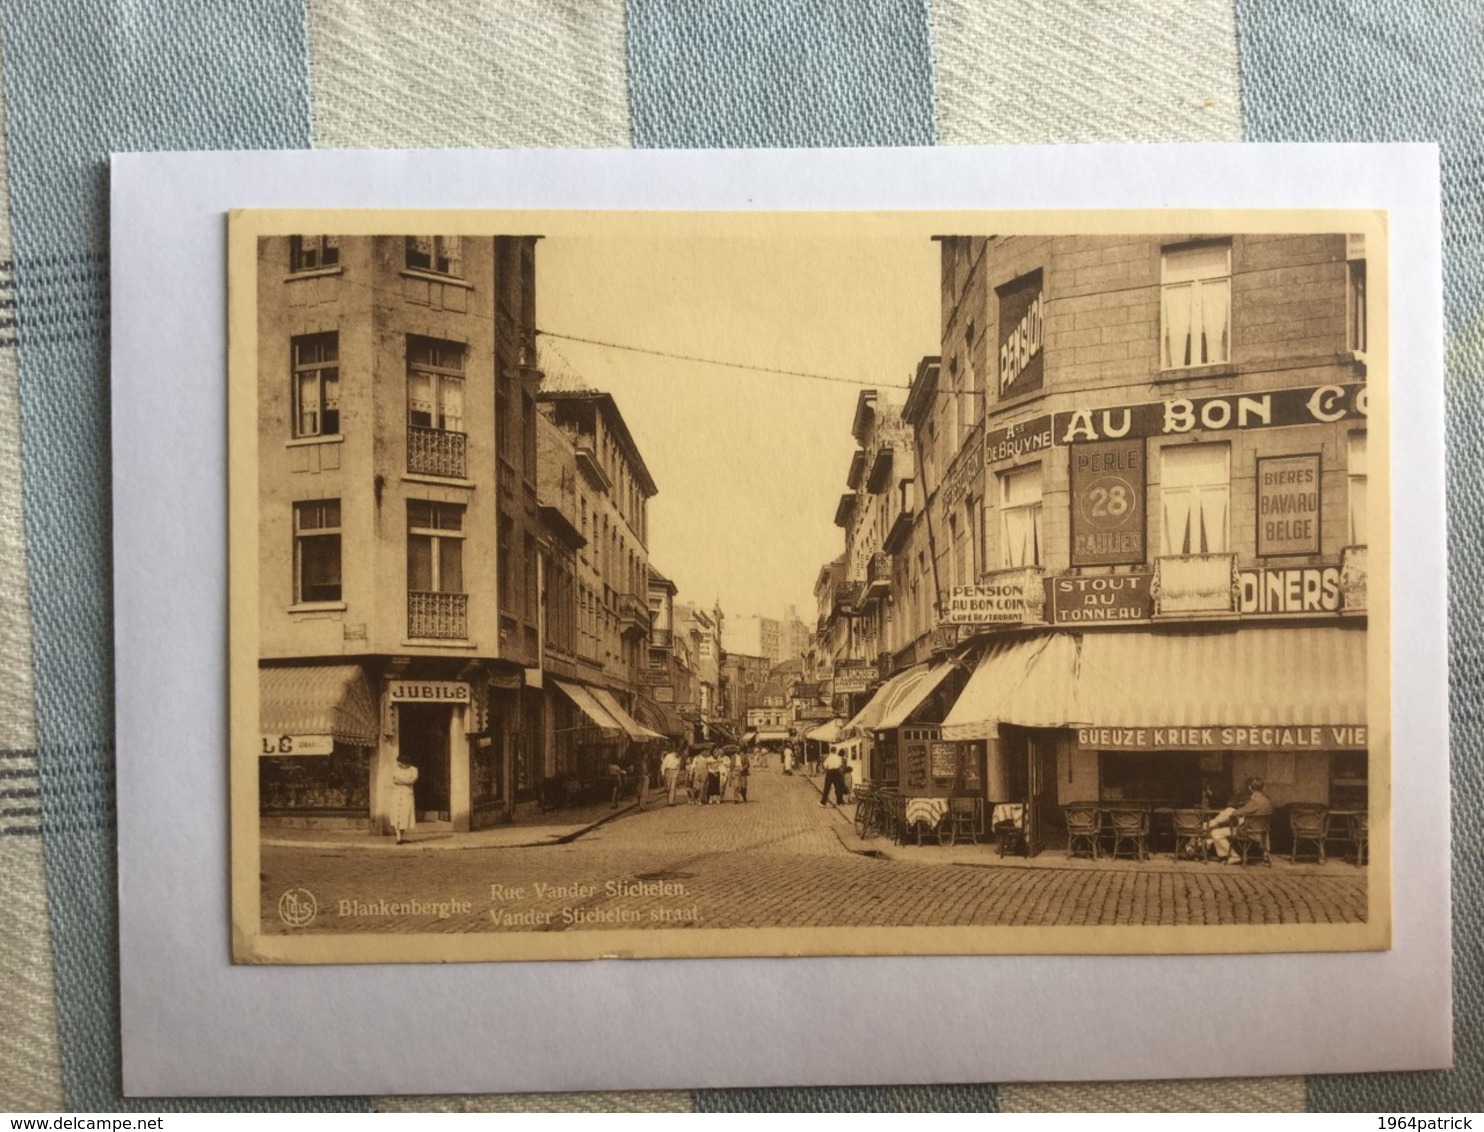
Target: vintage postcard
{"points": [[660, 584]]}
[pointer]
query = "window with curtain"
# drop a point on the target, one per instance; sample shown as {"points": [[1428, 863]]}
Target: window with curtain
{"points": [[316, 378], [1195, 486], [435, 253], [435, 547], [1020, 517], [1356, 464], [435, 384], [309, 253], [1195, 298], [317, 551]]}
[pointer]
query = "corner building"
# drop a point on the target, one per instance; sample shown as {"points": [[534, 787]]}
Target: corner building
{"points": [[1137, 572], [398, 527]]}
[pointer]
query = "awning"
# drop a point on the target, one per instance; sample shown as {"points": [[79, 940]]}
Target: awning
{"points": [[719, 730], [590, 708], [826, 732], [899, 697], [314, 700], [629, 725], [772, 734], [749, 737], [1278, 676], [654, 714]]}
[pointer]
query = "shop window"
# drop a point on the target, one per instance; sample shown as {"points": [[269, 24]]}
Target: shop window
{"points": [[1356, 482], [1196, 305], [1020, 517], [435, 547], [309, 253], [440, 254], [337, 784], [317, 551], [1195, 486], [1348, 782], [316, 384]]}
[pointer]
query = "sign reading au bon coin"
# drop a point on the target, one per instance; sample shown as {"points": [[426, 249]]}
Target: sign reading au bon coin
{"points": [[995, 603]]}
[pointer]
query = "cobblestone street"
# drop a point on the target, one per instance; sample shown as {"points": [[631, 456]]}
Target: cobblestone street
{"points": [[782, 860]]}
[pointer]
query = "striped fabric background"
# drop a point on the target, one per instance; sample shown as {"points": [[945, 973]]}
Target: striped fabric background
{"points": [[82, 78]]}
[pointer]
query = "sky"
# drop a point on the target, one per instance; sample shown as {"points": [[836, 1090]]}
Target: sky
{"points": [[750, 466]]}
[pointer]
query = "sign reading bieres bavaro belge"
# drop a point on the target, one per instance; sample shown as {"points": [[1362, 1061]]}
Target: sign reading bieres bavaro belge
{"points": [[1287, 505]]}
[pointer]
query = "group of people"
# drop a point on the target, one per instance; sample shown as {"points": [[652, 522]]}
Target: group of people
{"points": [[707, 775]]}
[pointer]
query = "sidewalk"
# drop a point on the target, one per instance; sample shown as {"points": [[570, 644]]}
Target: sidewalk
{"points": [[986, 855], [528, 831]]}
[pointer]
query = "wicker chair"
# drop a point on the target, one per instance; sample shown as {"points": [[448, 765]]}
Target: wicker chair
{"points": [[1083, 825], [1190, 834], [1253, 835], [1130, 827], [1360, 837], [1308, 824]]}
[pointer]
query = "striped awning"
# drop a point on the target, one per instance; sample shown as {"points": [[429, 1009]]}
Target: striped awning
{"points": [[585, 703], [316, 701], [826, 732], [1271, 676], [772, 734], [626, 722], [899, 697], [654, 714]]}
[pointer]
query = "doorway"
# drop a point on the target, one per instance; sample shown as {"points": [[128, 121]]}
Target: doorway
{"points": [[424, 731]]}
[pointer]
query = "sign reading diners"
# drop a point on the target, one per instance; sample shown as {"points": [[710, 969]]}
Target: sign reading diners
{"points": [[995, 603], [1322, 404], [1300, 589], [1253, 737], [427, 692], [1287, 505], [1107, 482], [298, 745], [853, 676], [1074, 600]]}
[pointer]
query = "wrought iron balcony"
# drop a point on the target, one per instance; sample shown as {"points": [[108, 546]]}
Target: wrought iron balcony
{"points": [[432, 616], [1195, 583], [880, 473], [436, 452], [661, 638], [878, 576], [633, 615], [1353, 579]]}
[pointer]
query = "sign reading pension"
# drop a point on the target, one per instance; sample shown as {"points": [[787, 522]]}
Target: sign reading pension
{"points": [[995, 603], [1287, 505], [1253, 737], [1322, 404], [1107, 480], [1073, 600]]}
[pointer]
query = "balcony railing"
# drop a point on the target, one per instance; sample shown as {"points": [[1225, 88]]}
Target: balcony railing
{"points": [[878, 575], [1353, 579], [633, 615], [436, 452], [443, 617], [661, 638], [1029, 581], [1195, 583]]}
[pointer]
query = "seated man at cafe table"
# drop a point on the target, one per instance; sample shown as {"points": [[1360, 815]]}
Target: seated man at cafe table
{"points": [[1253, 803]]}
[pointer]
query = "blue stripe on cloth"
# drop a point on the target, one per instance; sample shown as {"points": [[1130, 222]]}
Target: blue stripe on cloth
{"points": [[748, 73], [1316, 71], [83, 78], [864, 1098]]}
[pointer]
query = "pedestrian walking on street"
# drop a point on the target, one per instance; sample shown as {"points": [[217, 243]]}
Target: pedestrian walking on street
{"points": [[643, 770], [834, 775], [713, 779], [404, 806], [615, 772], [670, 772], [723, 774], [698, 771], [788, 760], [744, 772]]}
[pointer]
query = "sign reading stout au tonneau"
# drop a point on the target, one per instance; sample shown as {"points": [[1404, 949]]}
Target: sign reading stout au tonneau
{"points": [[1251, 737], [1322, 404], [1287, 505], [1078, 600], [427, 691], [1021, 363], [1298, 589], [993, 603], [853, 676], [1107, 482]]}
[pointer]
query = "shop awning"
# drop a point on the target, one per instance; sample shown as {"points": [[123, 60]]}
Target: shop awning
{"points": [[749, 737], [826, 732], [315, 700], [654, 714], [898, 698], [1300, 676], [719, 731], [772, 734], [626, 722], [590, 707]]}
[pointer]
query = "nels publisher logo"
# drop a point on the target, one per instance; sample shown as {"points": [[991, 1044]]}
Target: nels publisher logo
{"points": [[297, 908]]}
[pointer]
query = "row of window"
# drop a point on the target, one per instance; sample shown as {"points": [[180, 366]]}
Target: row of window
{"points": [[1195, 496], [439, 254], [435, 549]]}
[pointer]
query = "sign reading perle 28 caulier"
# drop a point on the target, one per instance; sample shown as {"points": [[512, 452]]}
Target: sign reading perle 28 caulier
{"points": [[1107, 502]]}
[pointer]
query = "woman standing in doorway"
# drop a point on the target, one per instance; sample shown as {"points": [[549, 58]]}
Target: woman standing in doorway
{"points": [[404, 808]]}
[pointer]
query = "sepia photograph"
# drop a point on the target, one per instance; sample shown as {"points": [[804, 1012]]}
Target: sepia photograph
{"points": [[688, 584]]}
